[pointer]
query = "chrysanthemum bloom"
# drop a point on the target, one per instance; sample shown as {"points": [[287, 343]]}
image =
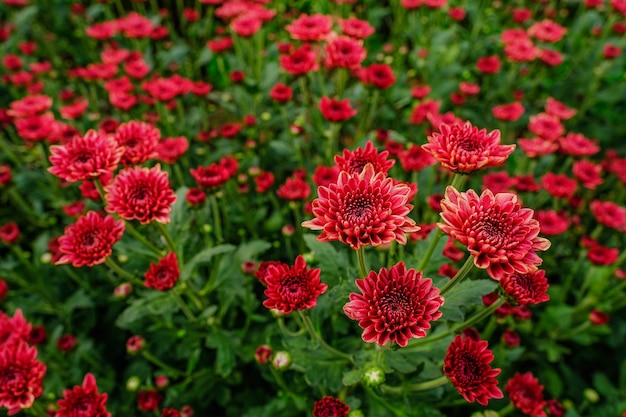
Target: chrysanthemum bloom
{"points": [[547, 31], [415, 158], [9, 233], [362, 209], [291, 288], [21, 376], [344, 52], [30, 106], [294, 188], [330, 407], [356, 28], [551, 222], [421, 111], [170, 149], [601, 255], [379, 75], [90, 240], [139, 141], [310, 28], [164, 274], [394, 305], [526, 394], [609, 214], [336, 110], [575, 144], [464, 148], [557, 109], [141, 193], [559, 185], [466, 364], [546, 126], [85, 157], [587, 173], [489, 64], [149, 399], [83, 401], [281, 93], [263, 270], [354, 162], [13, 330], [500, 234], [325, 176], [211, 176], [300, 61], [537, 147], [508, 112], [526, 288]]}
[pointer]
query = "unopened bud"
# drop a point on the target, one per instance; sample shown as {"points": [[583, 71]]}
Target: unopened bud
{"points": [[374, 376], [133, 383], [281, 360]]}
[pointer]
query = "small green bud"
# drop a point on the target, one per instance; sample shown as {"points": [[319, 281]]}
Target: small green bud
{"points": [[122, 258], [309, 257], [46, 258], [265, 116], [356, 413], [133, 383], [591, 395], [374, 376]]}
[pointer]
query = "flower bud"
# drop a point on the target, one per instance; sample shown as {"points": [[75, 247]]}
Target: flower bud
{"points": [[133, 383], [122, 290], [248, 267], [161, 381], [281, 360], [374, 376], [356, 413], [262, 354], [135, 344], [591, 395], [288, 230]]}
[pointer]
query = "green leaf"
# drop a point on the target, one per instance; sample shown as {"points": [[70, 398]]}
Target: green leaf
{"points": [[250, 250], [158, 304], [225, 345], [464, 294], [24, 18], [331, 262], [80, 299], [203, 256], [352, 377], [400, 361]]}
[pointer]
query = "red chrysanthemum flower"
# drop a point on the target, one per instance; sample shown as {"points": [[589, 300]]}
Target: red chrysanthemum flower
{"points": [[170, 149], [466, 364], [559, 185], [601, 255], [508, 112], [170, 412], [356, 28], [546, 126], [500, 234], [141, 193], [139, 141], [330, 407], [557, 109], [489, 64], [415, 159], [83, 401], [353, 162], [526, 288], [609, 214], [587, 173], [13, 330], [300, 61], [551, 222], [575, 144], [344, 52], [379, 75], [547, 31], [325, 176], [294, 188], [9, 233], [149, 399], [291, 288], [164, 274], [394, 305], [526, 394], [336, 110], [211, 176], [310, 28], [464, 148], [21, 376], [362, 209], [537, 147], [85, 157], [90, 240]]}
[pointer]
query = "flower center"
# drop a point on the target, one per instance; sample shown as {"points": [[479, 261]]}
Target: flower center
{"points": [[468, 145], [396, 305], [467, 370], [359, 209]]}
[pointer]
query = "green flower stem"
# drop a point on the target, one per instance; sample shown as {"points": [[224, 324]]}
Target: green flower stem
{"points": [[19, 201], [333, 141], [360, 256], [342, 80], [421, 386], [476, 318], [168, 238], [431, 249], [458, 181], [369, 116], [140, 237], [321, 80], [100, 189], [467, 266], [122, 272], [217, 221], [304, 92], [573, 332], [191, 294], [183, 306], [37, 410], [285, 331], [506, 410], [151, 358], [308, 325], [385, 403]]}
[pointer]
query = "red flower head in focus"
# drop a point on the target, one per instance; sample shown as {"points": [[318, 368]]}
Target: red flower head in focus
{"points": [[464, 148], [90, 240], [354, 162], [22, 377], [141, 193], [336, 110], [500, 234], [395, 305], [330, 407], [164, 274], [526, 394], [85, 157], [466, 364], [291, 288], [362, 209], [83, 401], [139, 141], [526, 288]]}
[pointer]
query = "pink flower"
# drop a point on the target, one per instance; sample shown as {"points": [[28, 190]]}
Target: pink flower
{"points": [[547, 31], [558, 109], [344, 52], [537, 147], [83, 401], [336, 110], [546, 126], [464, 148], [139, 141], [466, 364], [291, 288], [526, 394], [576, 144], [394, 305], [500, 234], [526, 288], [559, 185], [141, 193], [609, 214], [353, 162], [310, 28], [294, 188], [164, 274], [90, 240], [22, 377], [362, 209], [85, 157]]}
